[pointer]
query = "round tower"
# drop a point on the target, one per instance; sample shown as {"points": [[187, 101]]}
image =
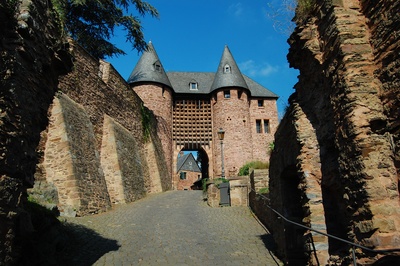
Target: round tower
{"points": [[231, 112], [150, 82]]}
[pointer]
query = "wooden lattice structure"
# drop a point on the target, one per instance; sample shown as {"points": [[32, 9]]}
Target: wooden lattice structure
{"points": [[192, 123]]}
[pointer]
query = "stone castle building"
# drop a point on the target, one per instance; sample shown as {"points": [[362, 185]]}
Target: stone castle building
{"points": [[195, 105]]}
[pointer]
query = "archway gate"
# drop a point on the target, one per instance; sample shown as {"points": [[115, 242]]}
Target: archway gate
{"points": [[192, 130]]}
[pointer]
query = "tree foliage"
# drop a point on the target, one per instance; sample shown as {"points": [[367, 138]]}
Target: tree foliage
{"points": [[93, 22]]}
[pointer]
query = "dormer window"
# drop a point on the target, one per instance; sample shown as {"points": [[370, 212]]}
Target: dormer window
{"points": [[193, 85], [157, 67], [227, 68]]}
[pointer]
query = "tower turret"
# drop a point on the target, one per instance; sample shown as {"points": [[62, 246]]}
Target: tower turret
{"points": [[149, 80], [230, 103], [228, 73]]}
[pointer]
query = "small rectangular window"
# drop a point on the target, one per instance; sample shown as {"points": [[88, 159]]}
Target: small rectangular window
{"points": [[258, 126], [260, 103], [193, 86], [266, 126], [227, 94], [182, 175]]}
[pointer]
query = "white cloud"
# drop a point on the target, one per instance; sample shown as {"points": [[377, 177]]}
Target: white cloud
{"points": [[236, 9], [252, 69]]}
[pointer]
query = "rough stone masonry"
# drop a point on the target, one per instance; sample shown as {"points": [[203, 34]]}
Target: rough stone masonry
{"points": [[340, 173], [33, 55]]}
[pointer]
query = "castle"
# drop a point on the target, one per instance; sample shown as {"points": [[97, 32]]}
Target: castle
{"points": [[193, 106]]}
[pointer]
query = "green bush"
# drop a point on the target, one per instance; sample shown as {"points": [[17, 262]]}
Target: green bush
{"points": [[204, 184], [218, 181], [264, 190], [271, 148], [244, 170]]}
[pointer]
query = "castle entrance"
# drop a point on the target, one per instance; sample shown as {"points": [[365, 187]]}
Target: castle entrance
{"points": [[191, 133]]}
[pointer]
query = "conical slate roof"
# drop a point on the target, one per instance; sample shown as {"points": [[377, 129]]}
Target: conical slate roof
{"points": [[149, 68], [228, 73]]}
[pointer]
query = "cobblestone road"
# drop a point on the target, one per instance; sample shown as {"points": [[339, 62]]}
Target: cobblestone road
{"points": [[172, 228]]}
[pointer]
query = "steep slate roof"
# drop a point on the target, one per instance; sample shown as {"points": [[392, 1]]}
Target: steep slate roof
{"points": [[184, 165], [232, 79], [180, 83], [145, 69], [207, 82], [257, 90]]}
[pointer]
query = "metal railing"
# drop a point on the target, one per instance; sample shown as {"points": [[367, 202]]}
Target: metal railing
{"points": [[352, 244]]}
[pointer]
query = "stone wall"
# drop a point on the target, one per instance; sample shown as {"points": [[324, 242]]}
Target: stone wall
{"points": [[71, 162], [96, 150], [239, 188], [123, 165], [335, 163], [383, 23], [32, 55]]}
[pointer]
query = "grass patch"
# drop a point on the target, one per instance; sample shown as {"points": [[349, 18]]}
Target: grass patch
{"points": [[245, 169]]}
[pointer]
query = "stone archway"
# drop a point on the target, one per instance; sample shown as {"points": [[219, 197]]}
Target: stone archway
{"points": [[201, 155]]}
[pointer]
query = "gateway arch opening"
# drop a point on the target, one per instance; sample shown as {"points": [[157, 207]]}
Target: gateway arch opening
{"points": [[192, 168]]}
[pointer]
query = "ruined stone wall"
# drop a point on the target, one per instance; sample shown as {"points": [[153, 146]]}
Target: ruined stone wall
{"points": [[343, 119], [383, 23], [295, 190], [32, 55]]}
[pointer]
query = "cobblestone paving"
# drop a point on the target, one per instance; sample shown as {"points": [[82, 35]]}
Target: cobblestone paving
{"points": [[172, 228]]}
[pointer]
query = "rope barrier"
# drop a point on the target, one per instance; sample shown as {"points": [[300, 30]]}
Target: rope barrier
{"points": [[379, 251]]}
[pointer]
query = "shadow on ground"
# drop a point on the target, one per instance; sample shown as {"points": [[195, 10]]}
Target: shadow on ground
{"points": [[85, 246], [50, 242], [270, 244]]}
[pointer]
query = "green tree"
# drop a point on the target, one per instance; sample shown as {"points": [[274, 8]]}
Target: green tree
{"points": [[92, 23]]}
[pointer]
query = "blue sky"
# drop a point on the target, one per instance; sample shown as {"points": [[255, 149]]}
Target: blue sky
{"points": [[191, 35]]}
